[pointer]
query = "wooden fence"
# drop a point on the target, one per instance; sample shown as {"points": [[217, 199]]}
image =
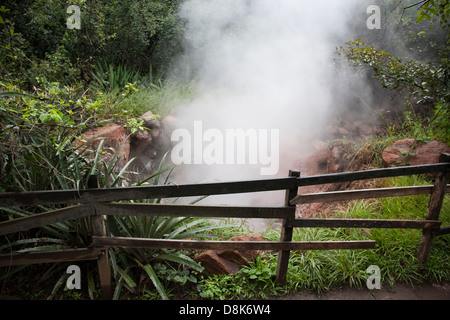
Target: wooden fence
{"points": [[97, 203]]}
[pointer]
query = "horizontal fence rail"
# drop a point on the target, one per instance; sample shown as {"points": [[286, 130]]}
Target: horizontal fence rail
{"points": [[141, 192], [363, 223], [128, 209], [444, 230], [50, 256], [137, 209], [362, 194], [230, 245], [97, 203], [87, 196], [372, 174], [46, 218]]}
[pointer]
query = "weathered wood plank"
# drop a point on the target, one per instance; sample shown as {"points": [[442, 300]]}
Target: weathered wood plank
{"points": [[141, 209], [187, 190], [230, 245], [142, 192], [46, 218], [363, 223], [286, 233], [50, 256], [434, 209], [443, 230], [372, 174], [361, 194], [99, 230]]}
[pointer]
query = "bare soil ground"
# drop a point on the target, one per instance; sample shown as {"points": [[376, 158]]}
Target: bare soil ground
{"points": [[425, 291]]}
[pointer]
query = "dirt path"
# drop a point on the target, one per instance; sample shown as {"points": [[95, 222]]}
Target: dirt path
{"points": [[426, 291]]}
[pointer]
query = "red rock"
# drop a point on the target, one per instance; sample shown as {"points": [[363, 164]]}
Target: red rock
{"points": [[317, 163], [365, 127], [151, 123], [326, 161], [115, 135], [214, 264], [411, 152], [342, 131], [163, 139], [228, 261], [147, 117], [140, 141], [243, 256]]}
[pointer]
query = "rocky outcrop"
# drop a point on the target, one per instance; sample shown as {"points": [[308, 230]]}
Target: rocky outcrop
{"points": [[334, 159], [115, 138], [146, 146], [412, 152], [351, 129], [326, 160], [228, 261]]}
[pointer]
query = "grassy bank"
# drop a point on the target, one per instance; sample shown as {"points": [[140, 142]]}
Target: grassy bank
{"points": [[322, 271]]}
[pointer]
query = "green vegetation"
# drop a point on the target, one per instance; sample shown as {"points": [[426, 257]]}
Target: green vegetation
{"points": [[322, 271], [55, 83]]}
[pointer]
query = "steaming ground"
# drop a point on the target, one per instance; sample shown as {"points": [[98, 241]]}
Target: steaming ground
{"points": [[264, 65]]}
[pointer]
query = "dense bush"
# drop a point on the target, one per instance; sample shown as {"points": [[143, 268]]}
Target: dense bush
{"points": [[141, 35], [410, 58]]}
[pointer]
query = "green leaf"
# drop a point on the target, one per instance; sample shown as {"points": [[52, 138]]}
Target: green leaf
{"points": [[181, 259], [117, 289], [41, 248], [119, 176], [58, 285], [154, 278], [97, 155], [44, 117], [126, 277], [91, 285]]}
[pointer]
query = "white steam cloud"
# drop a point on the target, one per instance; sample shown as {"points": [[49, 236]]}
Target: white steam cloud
{"points": [[263, 64]]}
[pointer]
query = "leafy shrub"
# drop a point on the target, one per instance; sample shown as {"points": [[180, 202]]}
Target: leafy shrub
{"points": [[436, 127], [37, 136], [426, 82]]}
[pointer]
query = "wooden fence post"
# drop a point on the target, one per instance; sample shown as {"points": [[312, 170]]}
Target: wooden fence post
{"points": [[434, 209], [286, 234], [99, 229]]}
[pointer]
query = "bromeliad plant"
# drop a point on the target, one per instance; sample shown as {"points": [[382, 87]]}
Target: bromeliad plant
{"points": [[129, 263]]}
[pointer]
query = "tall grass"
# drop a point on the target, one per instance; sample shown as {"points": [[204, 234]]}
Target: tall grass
{"points": [[111, 78], [160, 101], [147, 91]]}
